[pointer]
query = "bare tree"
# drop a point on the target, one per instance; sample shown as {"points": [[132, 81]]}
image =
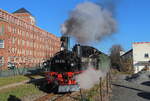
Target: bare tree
{"points": [[115, 56]]}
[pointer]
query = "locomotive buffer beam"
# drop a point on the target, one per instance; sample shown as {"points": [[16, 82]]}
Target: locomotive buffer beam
{"points": [[68, 88]]}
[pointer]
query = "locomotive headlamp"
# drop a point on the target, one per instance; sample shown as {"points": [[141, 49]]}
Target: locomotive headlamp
{"points": [[72, 64], [45, 64]]}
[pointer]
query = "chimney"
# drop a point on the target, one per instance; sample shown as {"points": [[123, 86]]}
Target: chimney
{"points": [[78, 50], [65, 42]]}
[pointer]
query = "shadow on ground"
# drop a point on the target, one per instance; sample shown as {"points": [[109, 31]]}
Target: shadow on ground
{"points": [[13, 98], [147, 83], [127, 87], [145, 95], [42, 84]]}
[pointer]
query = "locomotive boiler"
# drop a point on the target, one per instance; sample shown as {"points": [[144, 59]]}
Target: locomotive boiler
{"points": [[65, 65]]}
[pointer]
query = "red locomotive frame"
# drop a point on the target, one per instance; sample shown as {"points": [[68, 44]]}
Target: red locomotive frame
{"points": [[66, 78]]}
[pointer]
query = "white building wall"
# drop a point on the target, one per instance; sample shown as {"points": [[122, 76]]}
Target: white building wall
{"points": [[140, 49]]}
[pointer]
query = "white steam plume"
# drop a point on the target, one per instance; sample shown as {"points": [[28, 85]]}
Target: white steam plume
{"points": [[89, 22], [89, 78]]}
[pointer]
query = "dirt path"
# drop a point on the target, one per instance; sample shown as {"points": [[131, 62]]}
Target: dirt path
{"points": [[14, 84], [129, 91], [20, 83]]}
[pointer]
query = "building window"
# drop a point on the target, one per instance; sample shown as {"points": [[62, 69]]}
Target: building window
{"points": [[27, 35], [1, 43], [23, 42], [22, 33], [1, 61], [13, 30], [146, 55], [13, 40], [1, 29], [9, 28]]}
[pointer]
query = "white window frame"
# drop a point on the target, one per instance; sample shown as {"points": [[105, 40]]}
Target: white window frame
{"points": [[1, 61], [1, 44]]}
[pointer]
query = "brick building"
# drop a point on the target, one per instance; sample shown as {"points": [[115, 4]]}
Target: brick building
{"points": [[23, 43]]}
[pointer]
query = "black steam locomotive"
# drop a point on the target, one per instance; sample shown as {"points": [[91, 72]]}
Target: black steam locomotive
{"points": [[66, 64]]}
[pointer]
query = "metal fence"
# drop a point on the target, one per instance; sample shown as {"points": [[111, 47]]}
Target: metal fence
{"points": [[13, 71]]}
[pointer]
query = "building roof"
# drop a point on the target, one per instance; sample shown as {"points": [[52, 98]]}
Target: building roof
{"points": [[141, 42], [22, 10], [127, 52]]}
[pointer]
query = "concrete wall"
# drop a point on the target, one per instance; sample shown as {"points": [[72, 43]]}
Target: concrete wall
{"points": [[141, 53]]}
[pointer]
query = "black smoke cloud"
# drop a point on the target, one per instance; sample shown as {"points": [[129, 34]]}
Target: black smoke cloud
{"points": [[89, 22]]}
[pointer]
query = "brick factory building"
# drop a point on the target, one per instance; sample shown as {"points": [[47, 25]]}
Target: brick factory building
{"points": [[23, 43]]}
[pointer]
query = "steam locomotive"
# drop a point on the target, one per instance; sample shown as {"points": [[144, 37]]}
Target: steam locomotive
{"points": [[65, 65]]}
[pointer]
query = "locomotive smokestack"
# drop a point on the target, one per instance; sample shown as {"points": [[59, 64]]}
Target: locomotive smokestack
{"points": [[78, 50], [65, 42]]}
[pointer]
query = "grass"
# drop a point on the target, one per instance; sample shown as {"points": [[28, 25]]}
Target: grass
{"points": [[90, 94], [13, 79], [93, 93], [19, 92], [114, 72]]}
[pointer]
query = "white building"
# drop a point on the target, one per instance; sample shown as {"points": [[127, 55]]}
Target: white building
{"points": [[141, 56]]}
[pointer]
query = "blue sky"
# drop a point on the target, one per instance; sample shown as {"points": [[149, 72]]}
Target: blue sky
{"points": [[133, 18]]}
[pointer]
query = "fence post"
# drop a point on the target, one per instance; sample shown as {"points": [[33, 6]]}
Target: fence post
{"points": [[109, 78], [107, 83], [100, 84], [81, 95]]}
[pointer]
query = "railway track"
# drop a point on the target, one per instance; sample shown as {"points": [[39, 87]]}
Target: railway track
{"points": [[52, 97], [74, 96]]}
